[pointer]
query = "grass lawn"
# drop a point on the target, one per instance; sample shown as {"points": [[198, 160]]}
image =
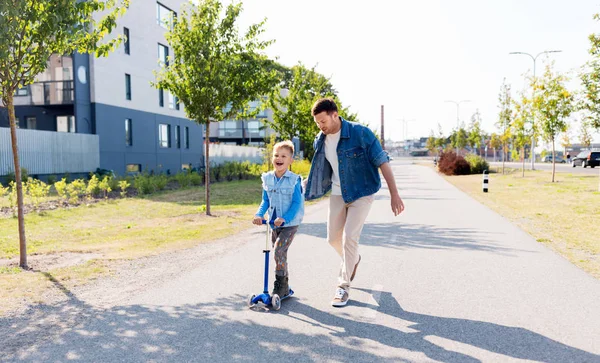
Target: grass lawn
{"points": [[565, 215], [119, 229]]}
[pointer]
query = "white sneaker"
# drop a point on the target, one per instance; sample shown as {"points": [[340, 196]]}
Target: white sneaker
{"points": [[341, 297]]}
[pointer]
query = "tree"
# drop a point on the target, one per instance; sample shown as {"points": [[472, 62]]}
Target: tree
{"points": [[504, 119], [553, 103], [459, 138], [431, 144], [565, 138], [590, 78], [441, 141], [475, 133], [521, 126], [292, 102], [32, 31], [215, 72], [585, 134], [495, 143]]}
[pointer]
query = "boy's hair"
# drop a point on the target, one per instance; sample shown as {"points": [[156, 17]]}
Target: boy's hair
{"points": [[287, 144], [324, 105]]}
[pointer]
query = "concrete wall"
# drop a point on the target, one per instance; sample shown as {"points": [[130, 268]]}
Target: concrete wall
{"points": [[220, 154]]}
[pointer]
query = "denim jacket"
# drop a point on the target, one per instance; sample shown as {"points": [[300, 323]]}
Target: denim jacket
{"points": [[280, 197], [359, 156]]}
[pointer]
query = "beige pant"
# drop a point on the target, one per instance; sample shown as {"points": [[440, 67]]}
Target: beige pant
{"points": [[344, 225]]}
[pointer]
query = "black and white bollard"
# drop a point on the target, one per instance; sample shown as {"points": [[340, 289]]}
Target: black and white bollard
{"points": [[485, 181]]}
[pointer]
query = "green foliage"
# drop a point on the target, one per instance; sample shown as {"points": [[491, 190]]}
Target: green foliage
{"points": [[183, 178], [292, 103], [76, 189], [124, 185], [477, 164], [553, 103], [93, 187], [144, 184], [3, 190], [51, 179], [505, 117], [37, 190], [61, 188], [459, 139], [24, 176], [475, 134], [160, 181], [590, 79], [105, 185]]}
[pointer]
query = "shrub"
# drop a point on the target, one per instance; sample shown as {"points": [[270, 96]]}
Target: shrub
{"points": [[183, 179], [75, 189], [93, 187], [51, 179], [160, 181], [37, 190], [104, 185], [24, 176], [124, 185], [451, 164], [477, 164], [3, 190], [144, 184], [61, 187]]}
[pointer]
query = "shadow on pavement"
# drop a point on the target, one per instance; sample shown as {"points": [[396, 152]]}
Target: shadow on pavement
{"points": [[223, 331], [404, 236]]}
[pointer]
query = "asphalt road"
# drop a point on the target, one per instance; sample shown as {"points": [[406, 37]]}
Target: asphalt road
{"points": [[448, 281]]}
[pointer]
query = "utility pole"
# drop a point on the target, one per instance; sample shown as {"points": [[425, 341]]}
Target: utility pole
{"points": [[382, 130]]}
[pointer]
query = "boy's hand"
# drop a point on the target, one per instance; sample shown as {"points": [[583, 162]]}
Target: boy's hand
{"points": [[257, 220], [279, 221]]}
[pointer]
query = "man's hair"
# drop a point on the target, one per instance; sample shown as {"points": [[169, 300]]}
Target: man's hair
{"points": [[287, 144], [324, 105]]}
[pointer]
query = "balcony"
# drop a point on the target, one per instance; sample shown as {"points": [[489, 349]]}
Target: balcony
{"points": [[46, 93], [236, 133]]}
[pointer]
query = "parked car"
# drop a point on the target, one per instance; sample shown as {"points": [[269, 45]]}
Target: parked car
{"points": [[586, 158], [548, 159]]}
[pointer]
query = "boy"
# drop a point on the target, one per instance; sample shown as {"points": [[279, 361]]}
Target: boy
{"points": [[282, 198]]}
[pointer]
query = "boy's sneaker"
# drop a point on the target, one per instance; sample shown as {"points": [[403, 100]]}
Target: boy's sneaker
{"points": [[354, 271], [281, 286], [341, 297]]}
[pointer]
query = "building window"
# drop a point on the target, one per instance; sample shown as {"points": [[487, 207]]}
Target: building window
{"points": [[164, 136], [31, 122], [163, 55], [23, 91], [161, 97], [186, 137], [133, 168], [128, 132], [186, 167], [165, 17], [127, 87], [171, 101], [177, 142], [65, 124], [126, 34]]}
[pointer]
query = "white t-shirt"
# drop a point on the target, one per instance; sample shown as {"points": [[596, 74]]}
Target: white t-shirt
{"points": [[331, 142]]}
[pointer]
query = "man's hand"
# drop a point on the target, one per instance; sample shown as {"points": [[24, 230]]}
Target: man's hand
{"points": [[397, 204], [257, 220], [279, 221]]}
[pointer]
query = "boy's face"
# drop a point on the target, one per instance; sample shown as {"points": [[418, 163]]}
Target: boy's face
{"points": [[329, 123], [282, 159]]}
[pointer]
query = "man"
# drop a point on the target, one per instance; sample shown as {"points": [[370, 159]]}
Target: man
{"points": [[347, 160]]}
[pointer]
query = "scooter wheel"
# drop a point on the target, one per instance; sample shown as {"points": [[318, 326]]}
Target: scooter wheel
{"points": [[276, 302], [250, 304]]}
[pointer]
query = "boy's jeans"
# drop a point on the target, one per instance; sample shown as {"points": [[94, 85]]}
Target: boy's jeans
{"points": [[344, 226]]}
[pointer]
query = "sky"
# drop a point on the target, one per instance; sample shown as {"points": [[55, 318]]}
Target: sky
{"points": [[413, 55]]}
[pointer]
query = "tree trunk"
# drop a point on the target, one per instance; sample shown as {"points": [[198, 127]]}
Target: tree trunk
{"points": [[523, 160], [503, 157], [553, 161], [21, 215], [207, 168]]}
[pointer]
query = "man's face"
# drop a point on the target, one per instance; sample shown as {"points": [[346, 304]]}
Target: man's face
{"points": [[328, 123]]}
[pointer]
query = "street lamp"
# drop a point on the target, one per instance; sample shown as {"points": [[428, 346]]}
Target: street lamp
{"points": [[457, 117], [534, 60]]}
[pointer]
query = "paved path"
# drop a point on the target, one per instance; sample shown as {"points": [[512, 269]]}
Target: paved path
{"points": [[449, 281]]}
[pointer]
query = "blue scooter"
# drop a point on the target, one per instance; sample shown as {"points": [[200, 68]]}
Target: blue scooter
{"points": [[275, 300]]}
